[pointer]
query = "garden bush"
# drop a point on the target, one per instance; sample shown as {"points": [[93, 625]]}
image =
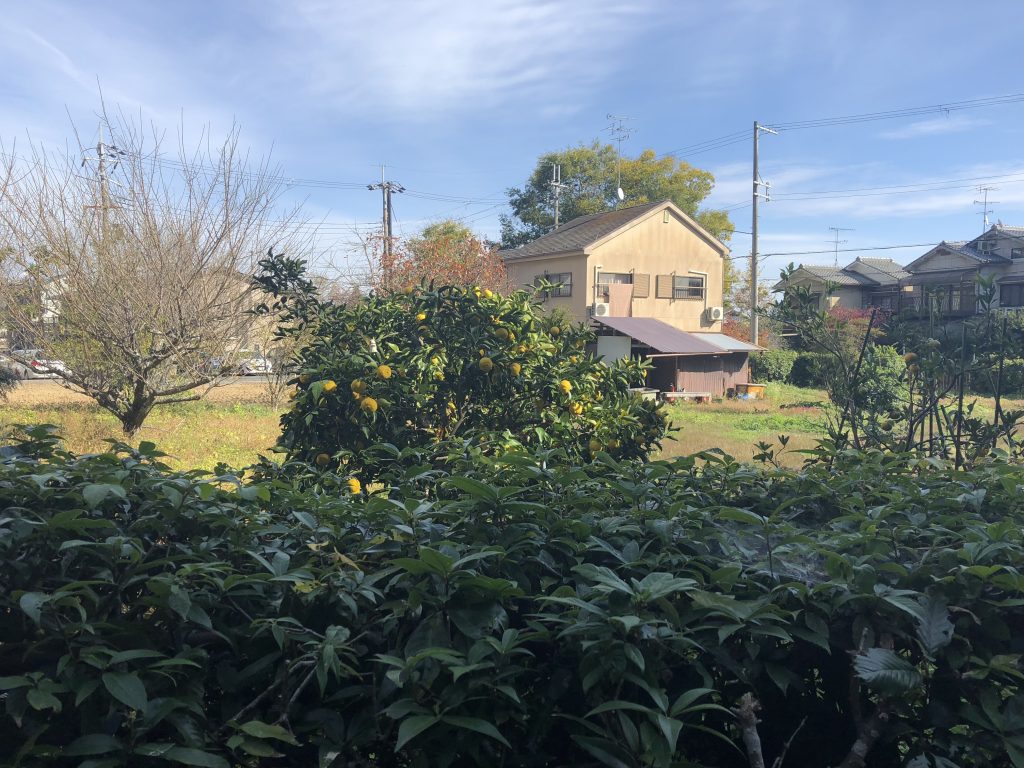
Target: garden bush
{"points": [[810, 369], [510, 610], [772, 365]]}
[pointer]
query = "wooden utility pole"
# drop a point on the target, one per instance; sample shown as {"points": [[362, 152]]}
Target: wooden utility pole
{"points": [[758, 128]]}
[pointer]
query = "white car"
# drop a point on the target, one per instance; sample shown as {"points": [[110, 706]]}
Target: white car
{"points": [[30, 364], [255, 366]]}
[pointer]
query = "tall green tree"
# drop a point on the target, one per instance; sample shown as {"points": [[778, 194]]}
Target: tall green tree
{"points": [[591, 175]]}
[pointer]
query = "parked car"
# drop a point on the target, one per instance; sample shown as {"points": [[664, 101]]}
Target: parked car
{"points": [[30, 364], [256, 365]]}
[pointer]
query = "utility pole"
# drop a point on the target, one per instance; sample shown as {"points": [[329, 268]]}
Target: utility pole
{"points": [[557, 185], [984, 206], [387, 216], [837, 241], [758, 128], [103, 151]]}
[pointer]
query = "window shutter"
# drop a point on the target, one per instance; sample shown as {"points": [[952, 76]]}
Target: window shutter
{"points": [[663, 287], [641, 286]]}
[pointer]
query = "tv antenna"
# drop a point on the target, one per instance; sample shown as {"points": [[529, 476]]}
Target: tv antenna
{"points": [[836, 242], [619, 132], [557, 186], [984, 203]]}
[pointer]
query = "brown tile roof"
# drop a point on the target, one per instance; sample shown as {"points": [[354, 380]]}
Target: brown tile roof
{"points": [[577, 234]]}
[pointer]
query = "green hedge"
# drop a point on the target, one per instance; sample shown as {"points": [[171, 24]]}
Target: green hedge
{"points": [[772, 365], [810, 369], [515, 612]]}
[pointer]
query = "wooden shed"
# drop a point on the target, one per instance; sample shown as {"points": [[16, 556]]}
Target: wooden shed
{"points": [[683, 361]]}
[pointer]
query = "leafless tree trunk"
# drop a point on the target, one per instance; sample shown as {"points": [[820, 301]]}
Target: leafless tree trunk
{"points": [[132, 268]]}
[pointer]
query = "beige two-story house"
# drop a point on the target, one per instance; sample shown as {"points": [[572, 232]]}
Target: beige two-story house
{"points": [[649, 279]]}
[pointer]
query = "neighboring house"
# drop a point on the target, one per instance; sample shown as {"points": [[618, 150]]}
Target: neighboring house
{"points": [[649, 279], [947, 274], [863, 283]]}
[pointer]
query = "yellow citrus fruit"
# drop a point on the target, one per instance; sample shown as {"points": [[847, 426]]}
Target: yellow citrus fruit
{"points": [[576, 408], [435, 360], [421, 316], [555, 330], [565, 385], [521, 349], [488, 293], [438, 375], [574, 359], [594, 445], [909, 357], [330, 386], [384, 371], [368, 404], [516, 369], [486, 364], [408, 290], [323, 459], [354, 486], [502, 333], [304, 379], [614, 444], [580, 344], [358, 386]]}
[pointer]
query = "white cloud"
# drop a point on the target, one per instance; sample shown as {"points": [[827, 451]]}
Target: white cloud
{"points": [[423, 58], [935, 126]]}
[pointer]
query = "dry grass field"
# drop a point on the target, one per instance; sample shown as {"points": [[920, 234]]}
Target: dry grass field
{"points": [[232, 424], [235, 423]]}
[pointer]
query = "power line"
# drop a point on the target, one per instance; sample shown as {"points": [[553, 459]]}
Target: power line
{"points": [[891, 114], [852, 250]]}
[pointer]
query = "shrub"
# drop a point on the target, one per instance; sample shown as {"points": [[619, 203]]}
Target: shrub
{"points": [[1011, 383], [810, 369], [429, 365], [510, 611], [772, 365]]}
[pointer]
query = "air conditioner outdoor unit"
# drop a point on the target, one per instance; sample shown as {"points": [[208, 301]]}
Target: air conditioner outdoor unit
{"points": [[601, 309], [715, 313]]}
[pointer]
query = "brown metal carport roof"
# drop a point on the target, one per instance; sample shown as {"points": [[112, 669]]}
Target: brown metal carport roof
{"points": [[662, 337]]}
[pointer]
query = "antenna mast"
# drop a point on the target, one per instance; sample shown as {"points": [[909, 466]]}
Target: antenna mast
{"points": [[984, 202], [837, 241], [556, 185], [619, 132]]}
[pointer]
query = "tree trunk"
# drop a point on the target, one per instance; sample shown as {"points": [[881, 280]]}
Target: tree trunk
{"points": [[135, 414]]}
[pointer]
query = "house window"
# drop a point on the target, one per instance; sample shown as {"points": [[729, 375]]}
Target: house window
{"points": [[1017, 253], [687, 287], [987, 246], [562, 282], [604, 279], [1011, 295]]}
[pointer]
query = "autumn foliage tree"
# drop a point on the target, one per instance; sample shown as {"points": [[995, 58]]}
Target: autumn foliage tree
{"points": [[446, 252]]}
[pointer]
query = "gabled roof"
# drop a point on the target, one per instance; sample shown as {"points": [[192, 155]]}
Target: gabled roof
{"points": [[888, 266], [584, 232], [836, 275], [961, 248]]}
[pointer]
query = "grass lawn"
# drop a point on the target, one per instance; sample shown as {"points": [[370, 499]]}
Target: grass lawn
{"points": [[235, 423], [736, 425]]}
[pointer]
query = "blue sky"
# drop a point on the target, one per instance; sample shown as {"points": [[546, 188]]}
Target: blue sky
{"points": [[459, 97]]}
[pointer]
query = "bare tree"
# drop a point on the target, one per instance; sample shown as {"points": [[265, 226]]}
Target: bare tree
{"points": [[133, 267]]}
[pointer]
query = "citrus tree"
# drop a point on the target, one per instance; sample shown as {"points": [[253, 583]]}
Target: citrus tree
{"points": [[447, 365]]}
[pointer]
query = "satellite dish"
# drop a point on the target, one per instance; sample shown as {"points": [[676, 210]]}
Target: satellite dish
{"points": [[620, 193]]}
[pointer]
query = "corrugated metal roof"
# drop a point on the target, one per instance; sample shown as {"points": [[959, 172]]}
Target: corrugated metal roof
{"points": [[660, 336], [729, 343]]}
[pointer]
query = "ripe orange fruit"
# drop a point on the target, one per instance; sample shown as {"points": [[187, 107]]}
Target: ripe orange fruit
{"points": [[516, 369], [565, 385], [368, 404], [358, 386], [354, 486], [330, 386], [421, 316], [502, 333], [576, 408], [384, 371], [555, 330], [486, 364]]}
